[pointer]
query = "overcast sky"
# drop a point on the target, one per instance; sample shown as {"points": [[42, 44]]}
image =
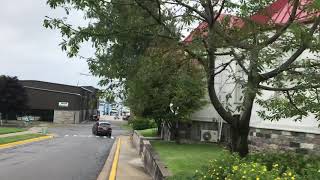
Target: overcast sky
{"points": [[30, 51]]}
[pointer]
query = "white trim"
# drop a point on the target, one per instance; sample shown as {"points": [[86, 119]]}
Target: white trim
{"points": [[49, 90], [302, 129], [86, 89]]}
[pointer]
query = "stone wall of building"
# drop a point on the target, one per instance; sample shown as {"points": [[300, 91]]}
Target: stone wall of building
{"points": [[66, 117], [269, 139]]}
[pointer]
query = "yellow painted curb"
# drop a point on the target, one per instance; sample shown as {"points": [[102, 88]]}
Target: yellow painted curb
{"points": [[17, 143], [113, 172]]}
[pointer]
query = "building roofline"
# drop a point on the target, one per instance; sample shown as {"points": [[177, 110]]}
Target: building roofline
{"points": [[275, 14], [85, 89], [81, 87], [49, 90]]}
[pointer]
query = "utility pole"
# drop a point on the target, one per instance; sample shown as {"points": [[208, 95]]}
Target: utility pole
{"points": [[84, 74]]}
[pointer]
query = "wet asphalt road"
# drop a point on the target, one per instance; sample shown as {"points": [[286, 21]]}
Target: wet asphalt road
{"points": [[73, 155]]}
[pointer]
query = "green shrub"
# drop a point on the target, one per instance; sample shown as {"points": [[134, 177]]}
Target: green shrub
{"points": [[271, 166], [304, 165], [142, 123]]}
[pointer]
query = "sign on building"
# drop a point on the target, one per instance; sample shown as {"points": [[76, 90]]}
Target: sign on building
{"points": [[63, 104]]}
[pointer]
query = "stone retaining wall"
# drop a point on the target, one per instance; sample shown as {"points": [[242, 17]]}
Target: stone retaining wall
{"points": [[137, 140], [262, 139], [150, 158], [152, 163]]}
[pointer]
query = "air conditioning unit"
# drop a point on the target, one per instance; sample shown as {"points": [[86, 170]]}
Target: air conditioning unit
{"points": [[209, 136]]}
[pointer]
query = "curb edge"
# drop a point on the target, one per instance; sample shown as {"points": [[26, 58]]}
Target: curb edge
{"points": [[106, 170], [27, 141]]}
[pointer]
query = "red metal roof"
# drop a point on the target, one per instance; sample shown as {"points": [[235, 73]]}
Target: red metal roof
{"points": [[277, 13]]}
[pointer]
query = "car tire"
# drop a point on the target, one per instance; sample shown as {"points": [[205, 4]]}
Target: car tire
{"points": [[94, 132]]}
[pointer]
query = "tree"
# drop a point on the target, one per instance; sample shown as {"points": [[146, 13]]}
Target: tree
{"points": [[266, 51], [13, 96], [166, 89]]}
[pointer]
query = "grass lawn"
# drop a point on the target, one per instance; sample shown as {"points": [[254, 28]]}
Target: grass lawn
{"points": [[183, 159], [11, 139], [5, 130], [149, 132]]}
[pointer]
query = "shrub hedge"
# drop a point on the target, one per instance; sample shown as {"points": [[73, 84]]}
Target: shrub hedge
{"points": [[262, 166], [139, 123]]}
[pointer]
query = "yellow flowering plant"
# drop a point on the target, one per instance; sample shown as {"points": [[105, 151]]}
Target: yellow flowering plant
{"points": [[262, 166]]}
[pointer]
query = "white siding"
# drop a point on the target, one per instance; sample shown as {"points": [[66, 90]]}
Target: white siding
{"points": [[225, 85]]}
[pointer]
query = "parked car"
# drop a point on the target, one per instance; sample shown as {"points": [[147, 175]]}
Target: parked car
{"points": [[126, 118], [102, 128], [116, 117], [96, 117]]}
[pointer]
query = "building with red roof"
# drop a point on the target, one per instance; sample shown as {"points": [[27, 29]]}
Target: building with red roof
{"points": [[276, 14], [264, 134]]}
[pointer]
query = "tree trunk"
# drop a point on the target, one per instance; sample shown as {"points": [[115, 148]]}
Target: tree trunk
{"points": [[175, 131], [241, 125], [159, 127], [239, 137]]}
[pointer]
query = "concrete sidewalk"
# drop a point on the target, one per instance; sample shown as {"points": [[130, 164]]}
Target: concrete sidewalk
{"points": [[130, 165]]}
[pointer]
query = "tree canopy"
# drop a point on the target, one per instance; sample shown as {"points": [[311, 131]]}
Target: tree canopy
{"points": [[166, 88], [233, 33], [13, 96]]}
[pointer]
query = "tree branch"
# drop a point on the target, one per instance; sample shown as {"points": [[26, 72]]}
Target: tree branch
{"points": [[220, 10], [285, 27], [239, 59], [191, 8], [299, 87], [224, 66], [226, 115], [294, 56], [223, 53], [159, 9], [154, 17], [239, 44], [293, 104], [193, 55]]}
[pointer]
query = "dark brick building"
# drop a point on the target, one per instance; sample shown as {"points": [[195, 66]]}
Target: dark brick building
{"points": [[61, 103]]}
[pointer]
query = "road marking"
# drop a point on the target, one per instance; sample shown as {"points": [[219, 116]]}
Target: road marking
{"points": [[113, 172], [89, 136]]}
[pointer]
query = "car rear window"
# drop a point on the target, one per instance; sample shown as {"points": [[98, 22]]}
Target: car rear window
{"points": [[104, 124]]}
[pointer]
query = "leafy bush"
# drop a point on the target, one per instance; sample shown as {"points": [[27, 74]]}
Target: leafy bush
{"points": [[142, 123], [149, 132], [275, 166], [306, 166]]}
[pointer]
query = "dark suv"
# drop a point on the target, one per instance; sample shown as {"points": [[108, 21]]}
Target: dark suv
{"points": [[102, 128]]}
